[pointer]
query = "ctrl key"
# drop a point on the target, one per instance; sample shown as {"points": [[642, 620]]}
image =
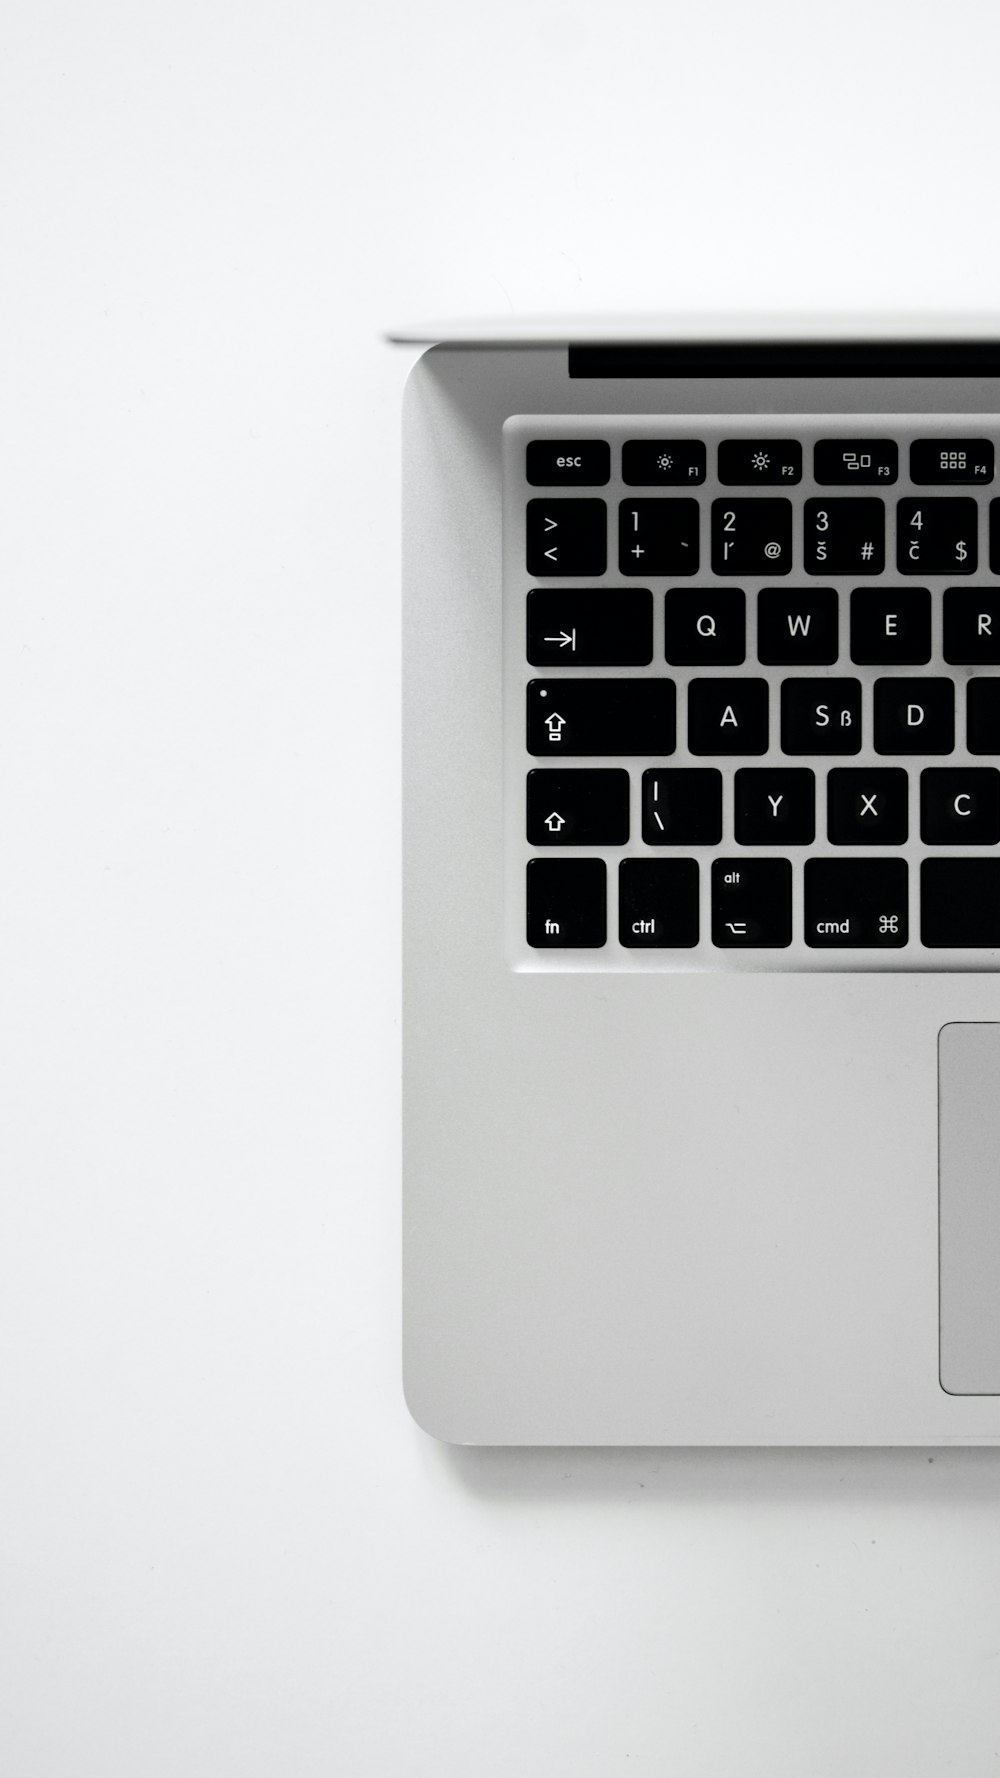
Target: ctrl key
{"points": [[751, 903], [567, 903]]}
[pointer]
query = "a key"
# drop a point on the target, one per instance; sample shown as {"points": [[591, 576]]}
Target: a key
{"points": [[936, 460], [594, 716], [914, 716], [797, 625], [658, 903], [972, 626], [658, 536], [856, 902], [746, 461], [842, 461], [671, 462], [751, 536], [844, 536], [587, 627], [960, 903], [751, 903], [936, 536], [891, 626], [984, 716], [867, 806], [567, 537], [567, 903], [705, 628], [727, 716], [584, 808], [821, 716], [960, 806], [554, 462], [682, 806], [775, 807]]}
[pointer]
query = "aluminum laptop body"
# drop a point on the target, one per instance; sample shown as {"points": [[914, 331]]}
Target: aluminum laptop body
{"points": [[702, 883]]}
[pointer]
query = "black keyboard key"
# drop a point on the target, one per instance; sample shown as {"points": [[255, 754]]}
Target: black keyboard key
{"points": [[960, 903], [856, 902], [578, 808], [590, 627], [658, 536], [682, 806], [914, 715], [567, 903], [751, 536], [727, 716], [775, 807], [658, 903], [842, 461], [984, 716], [706, 628], [844, 536], [821, 716], [972, 626], [567, 537], [936, 536], [671, 462], [939, 460], [891, 626], [593, 716], [797, 626], [867, 806], [556, 462], [751, 903], [745, 461], [995, 536], [960, 806]]}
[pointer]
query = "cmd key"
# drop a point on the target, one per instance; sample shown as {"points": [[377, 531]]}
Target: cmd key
{"points": [[960, 903]]}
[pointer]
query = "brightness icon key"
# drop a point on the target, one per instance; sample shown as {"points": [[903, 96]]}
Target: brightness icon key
{"points": [[746, 461]]}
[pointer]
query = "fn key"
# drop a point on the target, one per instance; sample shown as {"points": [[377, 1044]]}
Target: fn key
{"points": [[567, 903]]}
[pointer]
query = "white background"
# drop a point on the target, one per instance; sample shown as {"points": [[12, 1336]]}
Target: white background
{"points": [[227, 1552]]}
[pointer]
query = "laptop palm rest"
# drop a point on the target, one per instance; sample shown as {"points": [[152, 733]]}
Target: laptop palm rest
{"points": [[969, 1174]]}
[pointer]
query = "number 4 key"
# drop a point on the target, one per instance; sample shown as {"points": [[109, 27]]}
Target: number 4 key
{"points": [[936, 536]]}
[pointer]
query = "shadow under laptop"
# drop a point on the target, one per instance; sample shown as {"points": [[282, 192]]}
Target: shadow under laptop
{"points": [[902, 1475]]}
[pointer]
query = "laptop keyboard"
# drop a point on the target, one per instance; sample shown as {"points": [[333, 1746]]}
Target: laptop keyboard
{"points": [[749, 704]]}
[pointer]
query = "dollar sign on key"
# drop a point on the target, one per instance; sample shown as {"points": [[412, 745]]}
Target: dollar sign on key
{"points": [[960, 552]]}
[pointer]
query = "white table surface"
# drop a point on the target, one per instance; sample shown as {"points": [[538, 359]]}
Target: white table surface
{"points": [[226, 1551]]}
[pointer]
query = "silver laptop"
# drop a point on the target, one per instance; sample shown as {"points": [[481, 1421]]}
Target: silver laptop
{"points": [[702, 884]]}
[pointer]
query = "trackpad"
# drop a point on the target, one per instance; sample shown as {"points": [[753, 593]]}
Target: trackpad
{"points": [[969, 1160]]}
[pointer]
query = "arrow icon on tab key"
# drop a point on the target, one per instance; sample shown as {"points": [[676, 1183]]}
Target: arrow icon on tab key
{"points": [[565, 639]]}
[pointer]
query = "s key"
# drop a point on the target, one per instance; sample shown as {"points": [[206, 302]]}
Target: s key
{"points": [[821, 716]]}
